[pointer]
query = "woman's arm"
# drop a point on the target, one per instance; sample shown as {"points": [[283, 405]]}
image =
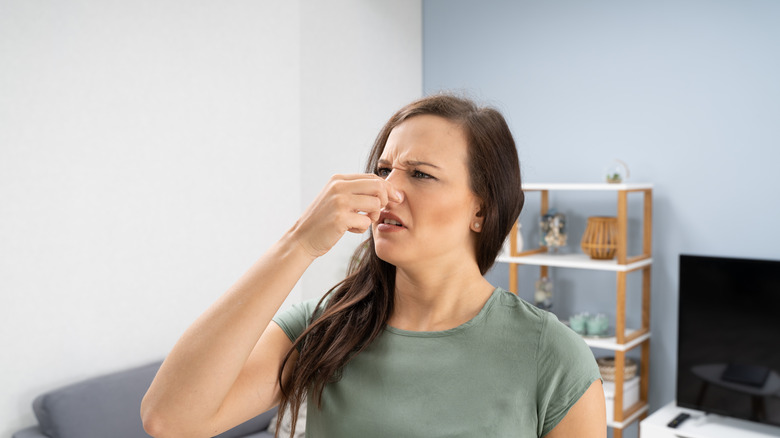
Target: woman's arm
{"points": [[587, 418], [231, 342], [223, 370]]}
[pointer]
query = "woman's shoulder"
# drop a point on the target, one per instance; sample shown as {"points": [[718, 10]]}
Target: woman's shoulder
{"points": [[294, 320], [520, 316], [517, 309], [303, 309]]}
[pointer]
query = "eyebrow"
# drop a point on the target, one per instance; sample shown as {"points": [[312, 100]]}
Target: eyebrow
{"points": [[412, 163]]}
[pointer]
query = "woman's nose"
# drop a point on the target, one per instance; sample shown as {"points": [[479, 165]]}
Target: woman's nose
{"points": [[396, 182], [400, 196]]}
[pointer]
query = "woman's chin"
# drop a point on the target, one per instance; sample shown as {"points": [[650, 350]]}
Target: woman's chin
{"points": [[387, 255]]}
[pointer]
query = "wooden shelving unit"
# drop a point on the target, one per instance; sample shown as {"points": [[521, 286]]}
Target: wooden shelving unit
{"points": [[625, 339]]}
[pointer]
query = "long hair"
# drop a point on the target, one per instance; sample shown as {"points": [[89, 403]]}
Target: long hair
{"points": [[355, 311]]}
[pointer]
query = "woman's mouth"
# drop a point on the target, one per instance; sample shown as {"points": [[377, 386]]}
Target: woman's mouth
{"points": [[389, 222]]}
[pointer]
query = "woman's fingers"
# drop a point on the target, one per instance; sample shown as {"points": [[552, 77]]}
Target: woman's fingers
{"points": [[383, 187], [370, 185], [347, 203], [368, 198], [366, 204], [359, 223]]}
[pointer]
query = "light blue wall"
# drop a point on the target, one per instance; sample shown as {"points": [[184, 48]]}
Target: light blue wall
{"points": [[687, 92]]}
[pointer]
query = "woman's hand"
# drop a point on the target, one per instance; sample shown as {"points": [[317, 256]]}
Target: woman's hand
{"points": [[347, 203]]}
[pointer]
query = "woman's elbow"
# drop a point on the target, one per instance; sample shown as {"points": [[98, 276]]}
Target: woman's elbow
{"points": [[160, 422], [156, 423], [153, 422]]}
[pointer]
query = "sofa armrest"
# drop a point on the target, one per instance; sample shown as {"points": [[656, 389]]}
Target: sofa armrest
{"points": [[102, 406], [108, 406]]}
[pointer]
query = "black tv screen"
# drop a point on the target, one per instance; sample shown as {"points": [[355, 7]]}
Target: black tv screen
{"points": [[728, 354]]}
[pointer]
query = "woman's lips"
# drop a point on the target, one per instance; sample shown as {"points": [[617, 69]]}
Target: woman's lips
{"points": [[388, 228], [389, 223]]}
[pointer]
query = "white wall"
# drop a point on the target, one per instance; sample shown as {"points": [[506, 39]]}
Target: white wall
{"points": [[357, 68], [149, 153]]}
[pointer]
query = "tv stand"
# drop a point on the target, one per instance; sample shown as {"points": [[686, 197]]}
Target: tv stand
{"points": [[702, 425]]}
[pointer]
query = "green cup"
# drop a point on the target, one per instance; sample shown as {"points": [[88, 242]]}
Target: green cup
{"points": [[597, 325], [579, 323]]}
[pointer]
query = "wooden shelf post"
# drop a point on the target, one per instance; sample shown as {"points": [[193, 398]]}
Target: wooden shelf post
{"points": [[624, 340]]}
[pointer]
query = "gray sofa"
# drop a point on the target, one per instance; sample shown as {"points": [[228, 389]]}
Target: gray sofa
{"points": [[108, 407]]}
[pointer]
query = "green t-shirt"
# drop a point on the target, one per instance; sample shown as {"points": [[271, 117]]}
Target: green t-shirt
{"points": [[512, 371]]}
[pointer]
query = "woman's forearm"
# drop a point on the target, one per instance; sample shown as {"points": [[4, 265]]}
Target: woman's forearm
{"points": [[197, 389], [204, 364]]}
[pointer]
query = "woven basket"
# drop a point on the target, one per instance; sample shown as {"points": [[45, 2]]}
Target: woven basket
{"points": [[607, 368], [600, 238]]}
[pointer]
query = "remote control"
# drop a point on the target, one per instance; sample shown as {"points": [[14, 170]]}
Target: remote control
{"points": [[678, 419]]}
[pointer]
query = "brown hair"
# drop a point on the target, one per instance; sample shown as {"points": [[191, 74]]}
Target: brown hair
{"points": [[358, 308]]}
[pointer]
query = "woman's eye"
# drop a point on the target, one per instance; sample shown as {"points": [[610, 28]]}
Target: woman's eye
{"points": [[421, 175], [382, 172]]}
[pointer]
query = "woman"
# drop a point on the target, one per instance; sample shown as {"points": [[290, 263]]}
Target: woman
{"points": [[415, 341]]}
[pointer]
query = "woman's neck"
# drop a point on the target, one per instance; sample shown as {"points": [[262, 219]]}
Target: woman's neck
{"points": [[435, 300]]}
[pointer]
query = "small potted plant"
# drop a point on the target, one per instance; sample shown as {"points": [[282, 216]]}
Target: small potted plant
{"points": [[617, 172]]}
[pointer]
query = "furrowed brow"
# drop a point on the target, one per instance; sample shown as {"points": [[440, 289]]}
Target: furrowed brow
{"points": [[410, 163], [421, 163]]}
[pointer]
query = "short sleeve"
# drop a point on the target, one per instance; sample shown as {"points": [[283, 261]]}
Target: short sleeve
{"points": [[566, 368], [294, 320]]}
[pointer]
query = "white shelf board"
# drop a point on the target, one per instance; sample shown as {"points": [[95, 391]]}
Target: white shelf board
{"points": [[631, 418], [580, 261], [611, 342], [587, 186]]}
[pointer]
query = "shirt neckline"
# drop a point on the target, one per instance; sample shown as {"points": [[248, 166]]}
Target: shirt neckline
{"points": [[449, 332]]}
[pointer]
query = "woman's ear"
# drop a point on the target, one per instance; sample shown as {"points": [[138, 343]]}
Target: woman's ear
{"points": [[478, 206], [478, 219]]}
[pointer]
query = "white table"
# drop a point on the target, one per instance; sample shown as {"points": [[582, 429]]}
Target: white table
{"points": [[702, 426]]}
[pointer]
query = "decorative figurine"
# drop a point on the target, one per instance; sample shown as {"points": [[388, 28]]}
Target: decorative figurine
{"points": [[553, 227], [543, 293]]}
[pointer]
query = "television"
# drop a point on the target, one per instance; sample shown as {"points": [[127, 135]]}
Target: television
{"points": [[728, 353]]}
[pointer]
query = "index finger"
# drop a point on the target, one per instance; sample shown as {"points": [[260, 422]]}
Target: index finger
{"points": [[376, 186], [356, 176]]}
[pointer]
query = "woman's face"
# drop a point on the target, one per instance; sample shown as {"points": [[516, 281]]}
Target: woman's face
{"points": [[425, 158]]}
